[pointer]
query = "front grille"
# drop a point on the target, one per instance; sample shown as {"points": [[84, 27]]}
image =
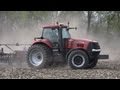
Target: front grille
{"points": [[93, 45]]}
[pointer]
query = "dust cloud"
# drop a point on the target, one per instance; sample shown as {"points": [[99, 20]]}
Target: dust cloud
{"points": [[21, 35], [110, 44], [25, 35]]}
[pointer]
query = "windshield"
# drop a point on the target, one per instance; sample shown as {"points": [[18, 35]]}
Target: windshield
{"points": [[65, 33]]}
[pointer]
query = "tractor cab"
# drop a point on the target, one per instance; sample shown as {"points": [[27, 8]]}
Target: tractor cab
{"points": [[52, 33], [57, 35]]}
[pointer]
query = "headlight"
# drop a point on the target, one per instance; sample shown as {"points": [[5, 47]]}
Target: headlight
{"points": [[96, 50]]}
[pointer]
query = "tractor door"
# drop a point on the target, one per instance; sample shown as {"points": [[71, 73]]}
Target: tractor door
{"points": [[52, 36], [65, 35]]}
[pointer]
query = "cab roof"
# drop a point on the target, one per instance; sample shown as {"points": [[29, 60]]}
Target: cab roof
{"points": [[56, 26]]}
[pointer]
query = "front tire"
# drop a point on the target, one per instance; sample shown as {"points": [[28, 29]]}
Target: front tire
{"points": [[78, 59], [93, 63]]}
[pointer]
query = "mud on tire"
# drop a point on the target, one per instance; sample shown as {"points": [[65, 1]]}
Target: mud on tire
{"points": [[39, 56]]}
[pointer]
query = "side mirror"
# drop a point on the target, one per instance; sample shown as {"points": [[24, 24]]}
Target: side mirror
{"points": [[75, 28], [67, 29], [72, 28], [41, 38]]}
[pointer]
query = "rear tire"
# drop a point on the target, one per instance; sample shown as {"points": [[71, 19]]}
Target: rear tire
{"points": [[39, 56], [78, 59]]}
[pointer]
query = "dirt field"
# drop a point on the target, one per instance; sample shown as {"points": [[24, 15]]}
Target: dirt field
{"points": [[103, 70], [109, 69]]}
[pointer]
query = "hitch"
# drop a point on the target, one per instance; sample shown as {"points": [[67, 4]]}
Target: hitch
{"points": [[103, 57]]}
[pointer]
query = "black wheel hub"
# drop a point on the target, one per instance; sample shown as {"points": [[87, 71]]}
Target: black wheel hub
{"points": [[78, 60], [39, 57]]}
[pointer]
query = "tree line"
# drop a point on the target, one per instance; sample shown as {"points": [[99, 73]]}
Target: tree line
{"points": [[95, 21]]}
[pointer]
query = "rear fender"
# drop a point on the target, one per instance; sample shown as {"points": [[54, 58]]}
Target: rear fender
{"points": [[43, 41]]}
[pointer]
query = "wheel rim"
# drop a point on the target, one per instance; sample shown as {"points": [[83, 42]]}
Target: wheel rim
{"points": [[78, 60], [36, 58]]}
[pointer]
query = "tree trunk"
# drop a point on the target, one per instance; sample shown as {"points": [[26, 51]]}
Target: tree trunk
{"points": [[108, 26], [89, 20]]}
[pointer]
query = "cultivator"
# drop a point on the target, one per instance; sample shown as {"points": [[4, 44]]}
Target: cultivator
{"points": [[14, 55]]}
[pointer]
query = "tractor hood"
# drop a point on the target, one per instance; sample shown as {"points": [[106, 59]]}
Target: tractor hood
{"points": [[79, 43], [83, 40]]}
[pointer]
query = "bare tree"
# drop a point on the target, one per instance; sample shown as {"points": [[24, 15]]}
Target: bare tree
{"points": [[89, 20]]}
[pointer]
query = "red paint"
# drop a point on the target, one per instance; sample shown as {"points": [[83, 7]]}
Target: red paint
{"points": [[44, 41], [74, 43], [70, 44]]}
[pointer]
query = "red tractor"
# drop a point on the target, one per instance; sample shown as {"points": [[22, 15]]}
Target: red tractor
{"points": [[56, 40]]}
